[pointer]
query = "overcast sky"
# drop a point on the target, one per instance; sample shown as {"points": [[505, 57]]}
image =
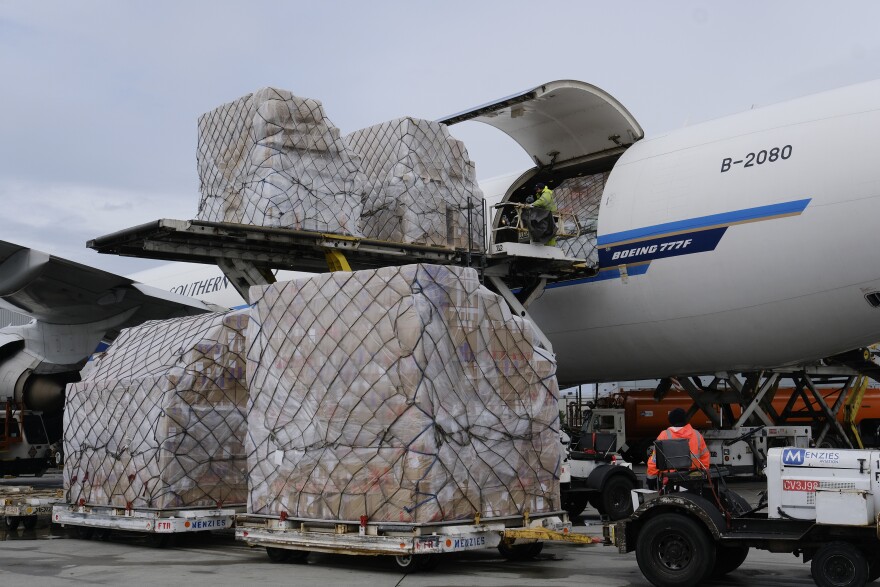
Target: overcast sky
{"points": [[100, 99]]}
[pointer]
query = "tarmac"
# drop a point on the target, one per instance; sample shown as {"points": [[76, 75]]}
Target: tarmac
{"points": [[46, 556]]}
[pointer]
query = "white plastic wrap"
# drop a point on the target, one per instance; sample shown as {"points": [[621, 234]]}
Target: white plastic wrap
{"points": [[406, 394], [420, 184], [273, 159], [160, 422]]}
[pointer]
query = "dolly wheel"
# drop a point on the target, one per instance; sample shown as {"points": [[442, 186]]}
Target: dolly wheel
{"points": [[412, 563], [29, 522], [298, 556], [155, 540], [278, 555], [103, 534], [80, 532], [519, 552], [575, 503]]}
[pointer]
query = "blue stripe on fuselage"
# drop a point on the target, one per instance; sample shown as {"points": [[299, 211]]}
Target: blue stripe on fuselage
{"points": [[636, 249], [706, 222]]}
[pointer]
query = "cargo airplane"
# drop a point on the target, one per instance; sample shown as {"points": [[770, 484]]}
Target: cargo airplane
{"points": [[739, 244], [743, 243]]}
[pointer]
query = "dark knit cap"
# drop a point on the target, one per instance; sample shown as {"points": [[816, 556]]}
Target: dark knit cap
{"points": [[678, 417]]}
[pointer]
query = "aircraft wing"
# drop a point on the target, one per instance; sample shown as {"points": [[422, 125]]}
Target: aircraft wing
{"points": [[58, 291]]}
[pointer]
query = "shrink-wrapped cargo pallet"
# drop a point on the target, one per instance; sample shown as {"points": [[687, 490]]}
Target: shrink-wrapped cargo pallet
{"points": [[420, 184], [581, 197], [160, 422], [273, 159], [405, 394]]}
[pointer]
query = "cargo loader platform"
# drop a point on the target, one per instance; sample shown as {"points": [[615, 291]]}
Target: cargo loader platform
{"points": [[196, 241], [249, 254]]}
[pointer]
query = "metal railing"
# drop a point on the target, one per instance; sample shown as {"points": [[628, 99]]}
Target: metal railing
{"points": [[567, 225]]}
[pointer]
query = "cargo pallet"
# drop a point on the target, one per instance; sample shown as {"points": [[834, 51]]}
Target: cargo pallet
{"points": [[413, 546], [157, 525], [24, 505]]}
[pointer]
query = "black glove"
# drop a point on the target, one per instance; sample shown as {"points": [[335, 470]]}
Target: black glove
{"points": [[651, 483]]}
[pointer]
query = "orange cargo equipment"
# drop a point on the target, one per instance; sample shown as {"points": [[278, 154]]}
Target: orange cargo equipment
{"points": [[646, 417]]}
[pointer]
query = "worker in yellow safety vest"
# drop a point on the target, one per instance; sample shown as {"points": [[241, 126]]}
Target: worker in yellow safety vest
{"points": [[544, 200]]}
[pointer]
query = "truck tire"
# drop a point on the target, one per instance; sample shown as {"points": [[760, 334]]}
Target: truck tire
{"points": [[519, 552], [839, 564], [615, 499], [673, 550], [874, 570], [575, 503], [728, 558]]}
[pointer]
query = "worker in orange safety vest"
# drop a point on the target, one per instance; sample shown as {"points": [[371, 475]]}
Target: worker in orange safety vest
{"points": [[679, 428]]}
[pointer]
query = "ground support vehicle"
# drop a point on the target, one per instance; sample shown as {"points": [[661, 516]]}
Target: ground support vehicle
{"points": [[743, 451], [821, 505], [413, 546], [592, 473], [24, 505], [158, 526], [25, 448]]}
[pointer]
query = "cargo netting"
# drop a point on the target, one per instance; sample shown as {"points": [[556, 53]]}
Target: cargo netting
{"points": [[404, 394], [421, 185], [160, 421], [581, 196], [273, 159]]}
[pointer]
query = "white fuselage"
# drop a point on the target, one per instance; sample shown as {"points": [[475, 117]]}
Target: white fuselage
{"points": [[204, 282], [790, 247]]}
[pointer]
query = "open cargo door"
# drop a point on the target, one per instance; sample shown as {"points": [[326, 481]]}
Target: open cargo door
{"points": [[564, 121], [575, 133]]}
